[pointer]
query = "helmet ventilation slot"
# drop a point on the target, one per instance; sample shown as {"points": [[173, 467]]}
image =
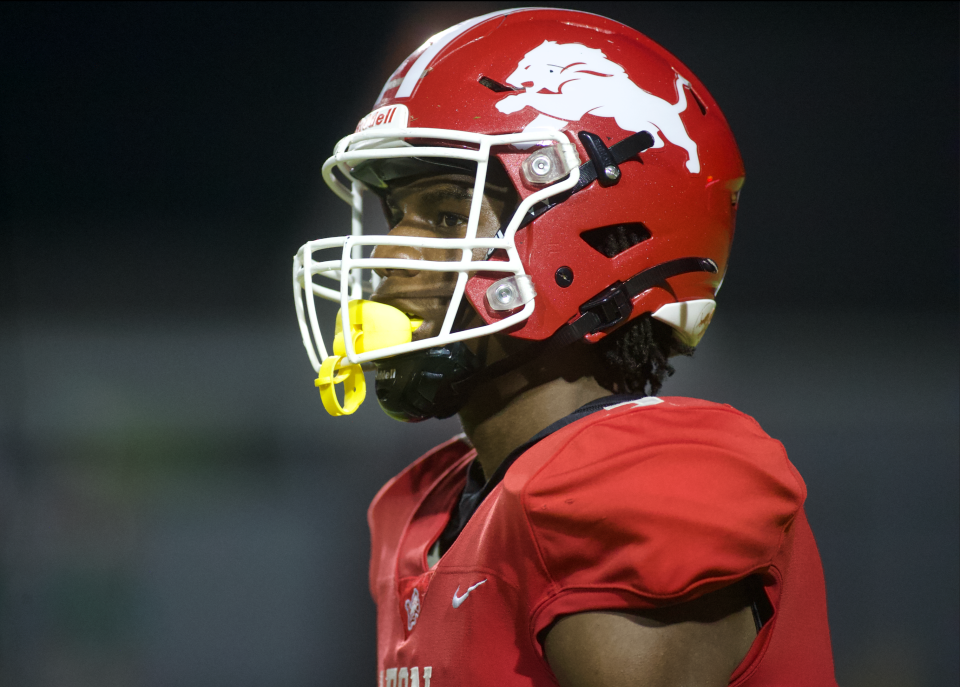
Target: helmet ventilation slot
{"points": [[613, 240], [696, 98], [495, 86]]}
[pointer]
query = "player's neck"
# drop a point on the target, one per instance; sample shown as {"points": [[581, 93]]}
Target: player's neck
{"points": [[511, 409]]}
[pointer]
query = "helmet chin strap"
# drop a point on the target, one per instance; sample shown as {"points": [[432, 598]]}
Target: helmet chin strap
{"points": [[614, 304], [437, 382]]}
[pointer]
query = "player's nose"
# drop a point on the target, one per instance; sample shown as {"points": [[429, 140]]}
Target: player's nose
{"points": [[383, 252]]}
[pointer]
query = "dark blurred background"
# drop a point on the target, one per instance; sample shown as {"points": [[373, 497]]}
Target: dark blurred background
{"points": [[175, 506]]}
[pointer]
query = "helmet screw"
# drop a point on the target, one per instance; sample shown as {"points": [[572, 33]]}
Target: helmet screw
{"points": [[506, 294], [541, 165], [611, 172], [564, 277]]}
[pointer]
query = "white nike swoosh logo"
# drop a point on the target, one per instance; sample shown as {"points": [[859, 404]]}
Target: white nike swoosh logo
{"points": [[457, 600]]}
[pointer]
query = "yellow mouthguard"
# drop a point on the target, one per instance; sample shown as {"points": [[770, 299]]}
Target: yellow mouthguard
{"points": [[372, 326]]}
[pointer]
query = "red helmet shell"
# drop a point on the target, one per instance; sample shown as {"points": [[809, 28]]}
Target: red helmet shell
{"points": [[575, 67]]}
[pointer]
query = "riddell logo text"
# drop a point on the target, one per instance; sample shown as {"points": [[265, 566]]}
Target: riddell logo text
{"points": [[405, 677], [377, 118]]}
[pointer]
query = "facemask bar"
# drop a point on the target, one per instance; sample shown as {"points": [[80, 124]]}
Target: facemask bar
{"points": [[349, 268]]}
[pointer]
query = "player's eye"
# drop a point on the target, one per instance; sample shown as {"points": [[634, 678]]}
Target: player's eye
{"points": [[451, 220]]}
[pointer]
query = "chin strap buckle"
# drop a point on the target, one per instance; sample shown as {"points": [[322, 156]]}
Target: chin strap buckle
{"points": [[608, 308], [614, 304]]}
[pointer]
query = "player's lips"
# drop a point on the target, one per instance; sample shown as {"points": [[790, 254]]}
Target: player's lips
{"points": [[425, 297], [429, 308], [413, 301], [410, 307]]}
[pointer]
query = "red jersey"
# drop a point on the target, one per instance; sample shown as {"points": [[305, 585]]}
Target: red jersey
{"points": [[639, 505]]}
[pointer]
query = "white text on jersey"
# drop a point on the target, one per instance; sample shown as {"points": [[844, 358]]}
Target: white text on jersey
{"points": [[405, 677]]}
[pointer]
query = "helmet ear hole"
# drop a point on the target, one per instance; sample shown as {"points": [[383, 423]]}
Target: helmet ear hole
{"points": [[613, 240]]}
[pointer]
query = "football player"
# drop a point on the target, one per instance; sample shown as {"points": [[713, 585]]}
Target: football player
{"points": [[561, 195]]}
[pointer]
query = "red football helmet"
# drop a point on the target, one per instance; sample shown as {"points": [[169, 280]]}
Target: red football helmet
{"points": [[596, 126]]}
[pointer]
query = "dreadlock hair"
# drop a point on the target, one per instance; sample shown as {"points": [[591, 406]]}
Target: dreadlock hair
{"points": [[635, 357]]}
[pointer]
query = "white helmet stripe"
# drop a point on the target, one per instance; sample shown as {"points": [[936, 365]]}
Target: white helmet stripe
{"points": [[438, 43]]}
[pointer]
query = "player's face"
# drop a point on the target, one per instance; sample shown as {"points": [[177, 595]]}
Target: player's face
{"points": [[433, 207]]}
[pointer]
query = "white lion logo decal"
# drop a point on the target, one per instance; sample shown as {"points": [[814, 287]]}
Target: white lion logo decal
{"points": [[564, 81]]}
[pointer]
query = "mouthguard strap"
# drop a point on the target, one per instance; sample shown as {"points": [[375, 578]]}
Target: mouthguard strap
{"points": [[354, 386]]}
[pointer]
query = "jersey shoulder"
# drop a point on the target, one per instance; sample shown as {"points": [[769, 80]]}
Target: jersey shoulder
{"points": [[663, 499]]}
